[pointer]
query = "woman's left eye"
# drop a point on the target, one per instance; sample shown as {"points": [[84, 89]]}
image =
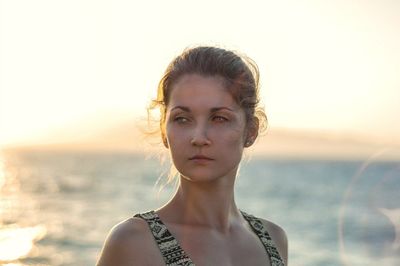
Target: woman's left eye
{"points": [[219, 119]]}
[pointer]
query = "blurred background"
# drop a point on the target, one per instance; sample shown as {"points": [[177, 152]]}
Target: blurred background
{"points": [[75, 80]]}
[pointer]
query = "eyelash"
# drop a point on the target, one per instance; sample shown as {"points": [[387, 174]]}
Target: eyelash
{"points": [[217, 118], [181, 119], [220, 118]]}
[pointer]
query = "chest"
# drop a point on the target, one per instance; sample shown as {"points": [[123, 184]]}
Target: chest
{"points": [[205, 248]]}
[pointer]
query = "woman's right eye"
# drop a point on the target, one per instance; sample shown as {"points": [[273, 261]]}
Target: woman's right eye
{"points": [[181, 119]]}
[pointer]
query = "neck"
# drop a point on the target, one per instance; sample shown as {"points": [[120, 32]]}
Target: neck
{"points": [[205, 204]]}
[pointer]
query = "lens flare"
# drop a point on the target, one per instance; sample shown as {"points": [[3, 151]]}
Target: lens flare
{"points": [[369, 223], [394, 216]]}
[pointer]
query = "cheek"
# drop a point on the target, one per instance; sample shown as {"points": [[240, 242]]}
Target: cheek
{"points": [[229, 138], [236, 133], [175, 137]]}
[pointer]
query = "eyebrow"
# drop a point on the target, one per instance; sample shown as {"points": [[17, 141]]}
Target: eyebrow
{"points": [[213, 110], [184, 108]]}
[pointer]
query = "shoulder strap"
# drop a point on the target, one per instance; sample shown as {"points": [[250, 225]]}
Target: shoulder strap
{"points": [[170, 249], [265, 238]]}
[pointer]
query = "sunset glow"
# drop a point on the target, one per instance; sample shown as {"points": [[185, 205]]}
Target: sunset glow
{"points": [[325, 66]]}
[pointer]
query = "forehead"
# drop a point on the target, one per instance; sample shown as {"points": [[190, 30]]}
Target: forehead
{"points": [[196, 91]]}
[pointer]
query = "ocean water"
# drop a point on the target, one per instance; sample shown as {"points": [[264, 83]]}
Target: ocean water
{"points": [[57, 207]]}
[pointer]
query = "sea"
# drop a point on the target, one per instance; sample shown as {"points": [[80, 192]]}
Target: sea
{"points": [[56, 207]]}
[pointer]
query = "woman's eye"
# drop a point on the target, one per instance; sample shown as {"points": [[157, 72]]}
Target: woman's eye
{"points": [[181, 119], [220, 119]]}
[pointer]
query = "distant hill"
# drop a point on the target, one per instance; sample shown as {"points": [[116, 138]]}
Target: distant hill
{"points": [[311, 144], [277, 143]]}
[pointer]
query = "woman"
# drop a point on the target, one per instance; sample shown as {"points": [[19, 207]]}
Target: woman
{"points": [[208, 100]]}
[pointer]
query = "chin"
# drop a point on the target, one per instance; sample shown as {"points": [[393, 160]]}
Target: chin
{"points": [[204, 175]]}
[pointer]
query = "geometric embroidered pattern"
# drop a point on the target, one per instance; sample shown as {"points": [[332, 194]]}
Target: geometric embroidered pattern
{"points": [[265, 238], [173, 253]]}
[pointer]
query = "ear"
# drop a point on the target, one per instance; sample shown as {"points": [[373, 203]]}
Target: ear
{"points": [[252, 132]]}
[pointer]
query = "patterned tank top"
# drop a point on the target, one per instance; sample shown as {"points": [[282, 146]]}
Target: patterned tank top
{"points": [[173, 253]]}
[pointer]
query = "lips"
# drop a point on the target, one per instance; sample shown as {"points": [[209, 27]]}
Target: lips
{"points": [[200, 157]]}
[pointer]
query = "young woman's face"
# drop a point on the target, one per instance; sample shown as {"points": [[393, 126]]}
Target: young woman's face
{"points": [[205, 128]]}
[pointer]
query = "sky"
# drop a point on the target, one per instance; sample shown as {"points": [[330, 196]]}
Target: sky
{"points": [[326, 66]]}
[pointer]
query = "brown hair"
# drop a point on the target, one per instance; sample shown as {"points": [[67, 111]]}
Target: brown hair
{"points": [[240, 75]]}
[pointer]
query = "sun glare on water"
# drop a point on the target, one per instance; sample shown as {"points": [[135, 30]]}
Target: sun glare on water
{"points": [[16, 241]]}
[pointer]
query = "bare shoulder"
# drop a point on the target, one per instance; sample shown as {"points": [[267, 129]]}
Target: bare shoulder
{"points": [[129, 243], [279, 237]]}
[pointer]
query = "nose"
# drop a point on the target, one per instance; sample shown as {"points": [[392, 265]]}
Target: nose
{"points": [[200, 137]]}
